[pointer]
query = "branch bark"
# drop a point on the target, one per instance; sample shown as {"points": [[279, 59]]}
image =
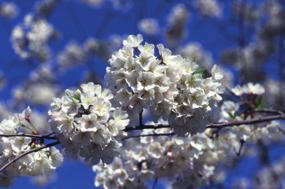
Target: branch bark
{"points": [[246, 122], [280, 116], [142, 127]]}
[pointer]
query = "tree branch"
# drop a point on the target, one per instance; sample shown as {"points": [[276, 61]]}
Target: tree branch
{"points": [[142, 127], [246, 122], [4, 167], [280, 116]]}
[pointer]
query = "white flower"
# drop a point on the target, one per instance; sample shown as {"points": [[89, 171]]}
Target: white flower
{"points": [[88, 123], [249, 88], [216, 73], [148, 26], [133, 41]]}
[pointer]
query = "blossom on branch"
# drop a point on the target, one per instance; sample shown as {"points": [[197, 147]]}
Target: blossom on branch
{"points": [[88, 124]]}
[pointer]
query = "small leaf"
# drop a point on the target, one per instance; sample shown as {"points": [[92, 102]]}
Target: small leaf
{"points": [[259, 103]]}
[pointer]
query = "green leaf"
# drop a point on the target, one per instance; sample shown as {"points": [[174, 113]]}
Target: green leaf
{"points": [[259, 103], [232, 115]]}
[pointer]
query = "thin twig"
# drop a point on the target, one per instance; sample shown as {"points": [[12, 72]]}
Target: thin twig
{"points": [[141, 118], [146, 127], [281, 116], [240, 147], [246, 122], [4, 167]]}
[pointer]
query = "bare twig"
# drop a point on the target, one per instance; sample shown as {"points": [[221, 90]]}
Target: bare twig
{"points": [[4, 167], [280, 116], [141, 118], [246, 122], [240, 147], [146, 127]]}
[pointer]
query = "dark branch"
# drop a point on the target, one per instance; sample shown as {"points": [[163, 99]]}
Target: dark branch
{"points": [[141, 118], [280, 116], [240, 147], [246, 122], [146, 127], [4, 167]]}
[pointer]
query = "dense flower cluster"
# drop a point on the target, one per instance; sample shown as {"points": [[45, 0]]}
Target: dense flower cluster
{"points": [[37, 163], [231, 110], [167, 85], [182, 158], [88, 124], [30, 38], [161, 157]]}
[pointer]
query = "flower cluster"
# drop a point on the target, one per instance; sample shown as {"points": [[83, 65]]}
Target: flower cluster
{"points": [[249, 88], [30, 38], [167, 85], [88, 124], [76, 54], [160, 157], [33, 164], [231, 111], [36, 93]]}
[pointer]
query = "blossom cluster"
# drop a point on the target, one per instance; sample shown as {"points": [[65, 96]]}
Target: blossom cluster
{"points": [[88, 124], [75, 54], [231, 110], [30, 38], [33, 164], [181, 158], [161, 157], [166, 85]]}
